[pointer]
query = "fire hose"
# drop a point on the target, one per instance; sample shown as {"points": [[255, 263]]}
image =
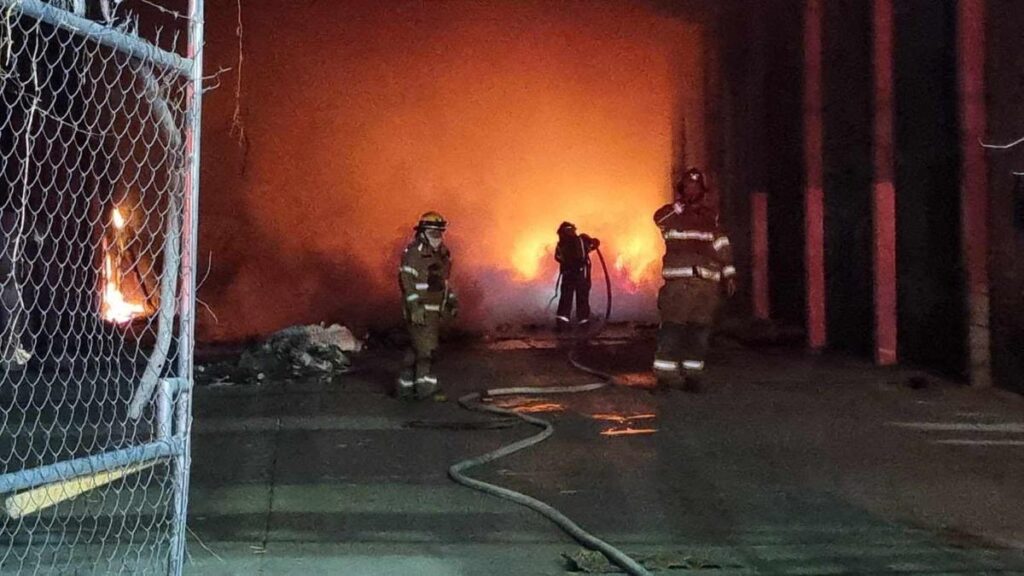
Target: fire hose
{"points": [[458, 471]]}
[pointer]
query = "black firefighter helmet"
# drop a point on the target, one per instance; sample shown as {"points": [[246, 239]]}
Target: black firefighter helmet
{"points": [[689, 178]]}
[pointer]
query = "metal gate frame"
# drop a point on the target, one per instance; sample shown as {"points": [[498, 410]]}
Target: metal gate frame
{"points": [[172, 396]]}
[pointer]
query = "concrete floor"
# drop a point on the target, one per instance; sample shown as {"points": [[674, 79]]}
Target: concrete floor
{"points": [[788, 465]]}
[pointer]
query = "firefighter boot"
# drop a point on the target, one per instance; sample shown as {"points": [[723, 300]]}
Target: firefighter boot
{"points": [[667, 369], [696, 340], [405, 387], [426, 382], [426, 387]]}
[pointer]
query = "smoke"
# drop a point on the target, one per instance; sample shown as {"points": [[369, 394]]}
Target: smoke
{"points": [[507, 117]]}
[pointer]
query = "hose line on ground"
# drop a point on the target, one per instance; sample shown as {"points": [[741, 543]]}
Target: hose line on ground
{"points": [[457, 471], [472, 402]]}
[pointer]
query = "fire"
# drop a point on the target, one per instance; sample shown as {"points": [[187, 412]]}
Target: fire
{"points": [[117, 219], [638, 255], [632, 249], [115, 306], [562, 112], [530, 252]]}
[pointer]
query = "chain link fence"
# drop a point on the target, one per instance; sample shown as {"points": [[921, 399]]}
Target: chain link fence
{"points": [[97, 229]]}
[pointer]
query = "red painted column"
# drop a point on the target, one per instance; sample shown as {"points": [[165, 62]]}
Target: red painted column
{"points": [[759, 253], [884, 189], [974, 183], [814, 210]]}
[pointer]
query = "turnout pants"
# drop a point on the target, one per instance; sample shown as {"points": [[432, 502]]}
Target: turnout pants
{"points": [[688, 307], [574, 287], [417, 365]]}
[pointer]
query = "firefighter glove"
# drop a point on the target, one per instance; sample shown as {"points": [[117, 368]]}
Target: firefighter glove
{"points": [[452, 306], [677, 207], [417, 314]]}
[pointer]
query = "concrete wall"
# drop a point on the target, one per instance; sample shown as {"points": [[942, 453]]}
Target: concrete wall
{"points": [[848, 89], [932, 313], [1005, 92], [784, 159]]}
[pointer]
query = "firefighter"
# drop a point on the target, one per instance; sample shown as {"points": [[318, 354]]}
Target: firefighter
{"points": [[573, 256], [697, 269], [427, 299]]}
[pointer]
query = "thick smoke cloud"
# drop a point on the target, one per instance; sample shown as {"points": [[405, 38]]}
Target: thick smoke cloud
{"points": [[508, 117]]}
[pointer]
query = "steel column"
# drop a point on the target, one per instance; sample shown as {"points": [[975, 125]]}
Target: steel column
{"points": [[974, 184], [814, 209], [884, 200]]}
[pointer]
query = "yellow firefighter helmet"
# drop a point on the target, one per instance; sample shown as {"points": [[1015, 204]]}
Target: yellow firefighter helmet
{"points": [[432, 221]]}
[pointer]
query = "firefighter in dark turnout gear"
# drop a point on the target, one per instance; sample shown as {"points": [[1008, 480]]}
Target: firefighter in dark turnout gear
{"points": [[697, 269], [427, 299], [573, 256]]}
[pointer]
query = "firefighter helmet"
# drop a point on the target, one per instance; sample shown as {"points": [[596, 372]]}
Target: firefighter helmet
{"points": [[432, 221], [566, 228], [694, 175], [691, 176]]}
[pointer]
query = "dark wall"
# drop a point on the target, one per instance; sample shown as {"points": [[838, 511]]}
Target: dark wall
{"points": [[739, 132], [932, 314], [784, 159], [1005, 92], [848, 101]]}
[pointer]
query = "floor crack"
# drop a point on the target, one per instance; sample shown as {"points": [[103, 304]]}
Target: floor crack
{"points": [[261, 548]]}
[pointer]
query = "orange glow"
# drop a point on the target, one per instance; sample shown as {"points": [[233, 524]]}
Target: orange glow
{"points": [[525, 406], [115, 306], [624, 424], [644, 380], [628, 431], [542, 407], [620, 418], [530, 251], [632, 249], [506, 117], [639, 251]]}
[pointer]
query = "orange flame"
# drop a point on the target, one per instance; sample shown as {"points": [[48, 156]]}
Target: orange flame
{"points": [[115, 306], [632, 248]]}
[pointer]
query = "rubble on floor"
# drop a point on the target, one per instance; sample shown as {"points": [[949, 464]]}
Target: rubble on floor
{"points": [[298, 351]]}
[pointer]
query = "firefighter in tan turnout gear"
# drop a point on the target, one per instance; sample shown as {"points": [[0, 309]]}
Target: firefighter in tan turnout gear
{"points": [[697, 269], [427, 300]]}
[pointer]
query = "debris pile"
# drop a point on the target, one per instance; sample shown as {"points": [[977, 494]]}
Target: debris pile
{"points": [[313, 347], [298, 351]]}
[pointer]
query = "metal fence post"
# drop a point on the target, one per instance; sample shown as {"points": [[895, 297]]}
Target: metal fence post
{"points": [[188, 279]]}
